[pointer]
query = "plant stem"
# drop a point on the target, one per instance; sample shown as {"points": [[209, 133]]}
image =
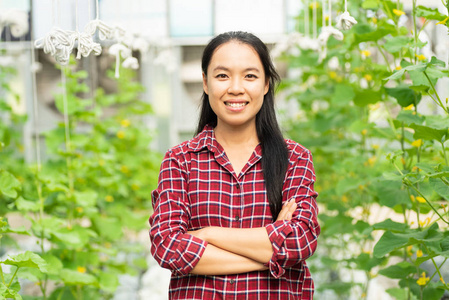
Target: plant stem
{"points": [[444, 153], [1, 274], [384, 56], [14, 275], [431, 206], [415, 34], [436, 94]]}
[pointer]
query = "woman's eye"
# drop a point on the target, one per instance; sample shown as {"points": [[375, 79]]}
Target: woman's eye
{"points": [[221, 76], [251, 76]]}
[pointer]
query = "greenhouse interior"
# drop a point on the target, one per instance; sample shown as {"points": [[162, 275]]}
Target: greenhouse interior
{"points": [[93, 93]]}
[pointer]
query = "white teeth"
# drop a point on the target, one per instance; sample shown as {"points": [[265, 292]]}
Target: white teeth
{"points": [[235, 104]]}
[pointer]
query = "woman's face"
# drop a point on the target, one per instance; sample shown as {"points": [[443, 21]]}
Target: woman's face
{"points": [[235, 84]]}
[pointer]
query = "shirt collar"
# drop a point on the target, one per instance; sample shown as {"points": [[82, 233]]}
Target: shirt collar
{"points": [[205, 139]]}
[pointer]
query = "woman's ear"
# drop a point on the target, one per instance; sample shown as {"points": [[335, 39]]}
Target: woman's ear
{"points": [[205, 83], [267, 87]]}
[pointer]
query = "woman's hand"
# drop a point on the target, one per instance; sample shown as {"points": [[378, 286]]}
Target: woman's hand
{"points": [[287, 210]]}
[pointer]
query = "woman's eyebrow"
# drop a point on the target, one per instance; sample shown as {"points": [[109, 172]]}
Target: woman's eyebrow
{"points": [[223, 68]]}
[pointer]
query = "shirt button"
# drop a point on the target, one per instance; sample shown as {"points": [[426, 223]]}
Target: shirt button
{"points": [[237, 218], [231, 281], [237, 185]]}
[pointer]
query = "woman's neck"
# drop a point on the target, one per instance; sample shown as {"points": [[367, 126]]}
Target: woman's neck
{"points": [[230, 137]]}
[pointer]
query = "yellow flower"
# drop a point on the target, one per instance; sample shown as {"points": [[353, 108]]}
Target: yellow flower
{"points": [[423, 279], [412, 198], [332, 75], [417, 143], [314, 5], [79, 209], [344, 199], [363, 295], [403, 161], [364, 132], [134, 187], [81, 269], [107, 245], [442, 280], [420, 199], [419, 253], [398, 12], [443, 22], [125, 123], [410, 107], [398, 68], [420, 57], [361, 187], [124, 169], [375, 20], [109, 198], [375, 146], [409, 250], [326, 18], [366, 52], [120, 134], [368, 77], [372, 160], [415, 168], [101, 162]]}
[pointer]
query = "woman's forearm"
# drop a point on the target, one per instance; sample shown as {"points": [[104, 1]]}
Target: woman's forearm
{"points": [[252, 243], [217, 261]]}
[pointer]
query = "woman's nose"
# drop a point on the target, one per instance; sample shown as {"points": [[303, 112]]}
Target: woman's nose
{"points": [[236, 87]]}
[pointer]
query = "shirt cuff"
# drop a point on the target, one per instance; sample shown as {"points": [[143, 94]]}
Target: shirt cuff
{"points": [[277, 233], [188, 253]]}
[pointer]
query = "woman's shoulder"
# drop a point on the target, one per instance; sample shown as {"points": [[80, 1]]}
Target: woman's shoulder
{"points": [[193, 145], [296, 150]]}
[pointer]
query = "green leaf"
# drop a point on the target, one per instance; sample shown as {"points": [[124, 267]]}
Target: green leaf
{"points": [[86, 198], [54, 265], [8, 293], [398, 271], [428, 133], [390, 225], [370, 4], [409, 118], [395, 44], [404, 95], [25, 205], [416, 68], [9, 185], [108, 282], [429, 13], [366, 97], [109, 228], [375, 35], [400, 294], [343, 94], [440, 187], [72, 277], [27, 259], [436, 62], [391, 193], [387, 243]]}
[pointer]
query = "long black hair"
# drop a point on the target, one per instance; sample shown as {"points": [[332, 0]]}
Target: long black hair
{"points": [[274, 149]]}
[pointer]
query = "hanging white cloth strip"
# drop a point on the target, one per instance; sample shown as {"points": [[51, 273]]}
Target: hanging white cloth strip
{"points": [[345, 21], [17, 20]]}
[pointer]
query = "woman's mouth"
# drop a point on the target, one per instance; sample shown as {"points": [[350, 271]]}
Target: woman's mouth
{"points": [[236, 104]]}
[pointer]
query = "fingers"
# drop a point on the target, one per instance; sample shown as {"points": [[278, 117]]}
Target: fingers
{"points": [[287, 210]]}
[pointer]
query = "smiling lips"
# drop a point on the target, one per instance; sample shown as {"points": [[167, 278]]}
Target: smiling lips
{"points": [[236, 104]]}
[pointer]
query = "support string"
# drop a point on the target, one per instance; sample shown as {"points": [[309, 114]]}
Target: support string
{"points": [[315, 19], [330, 12], [306, 18]]}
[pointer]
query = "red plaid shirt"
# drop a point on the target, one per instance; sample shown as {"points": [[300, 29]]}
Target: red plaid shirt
{"points": [[198, 188]]}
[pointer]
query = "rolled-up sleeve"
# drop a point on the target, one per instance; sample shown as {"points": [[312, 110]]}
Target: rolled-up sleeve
{"points": [[294, 241], [171, 245]]}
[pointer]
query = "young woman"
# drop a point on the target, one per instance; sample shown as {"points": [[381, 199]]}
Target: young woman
{"points": [[235, 212]]}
